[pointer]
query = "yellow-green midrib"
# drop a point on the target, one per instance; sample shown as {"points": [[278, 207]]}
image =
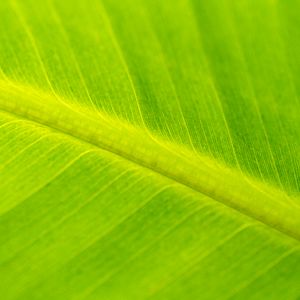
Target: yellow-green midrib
{"points": [[257, 200]]}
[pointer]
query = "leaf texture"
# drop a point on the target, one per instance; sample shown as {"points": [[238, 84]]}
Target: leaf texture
{"points": [[149, 149]]}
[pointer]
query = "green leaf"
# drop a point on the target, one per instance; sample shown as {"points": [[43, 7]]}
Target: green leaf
{"points": [[149, 149]]}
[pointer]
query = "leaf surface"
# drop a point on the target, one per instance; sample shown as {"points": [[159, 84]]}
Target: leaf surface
{"points": [[149, 149]]}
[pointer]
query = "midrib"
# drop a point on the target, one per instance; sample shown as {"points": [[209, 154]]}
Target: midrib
{"points": [[254, 199]]}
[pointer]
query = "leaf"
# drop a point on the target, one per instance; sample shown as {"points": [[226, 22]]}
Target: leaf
{"points": [[149, 149]]}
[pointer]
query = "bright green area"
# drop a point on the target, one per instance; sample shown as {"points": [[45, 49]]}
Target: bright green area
{"points": [[149, 149]]}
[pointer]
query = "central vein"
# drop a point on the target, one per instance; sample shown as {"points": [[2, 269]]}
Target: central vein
{"points": [[254, 199]]}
